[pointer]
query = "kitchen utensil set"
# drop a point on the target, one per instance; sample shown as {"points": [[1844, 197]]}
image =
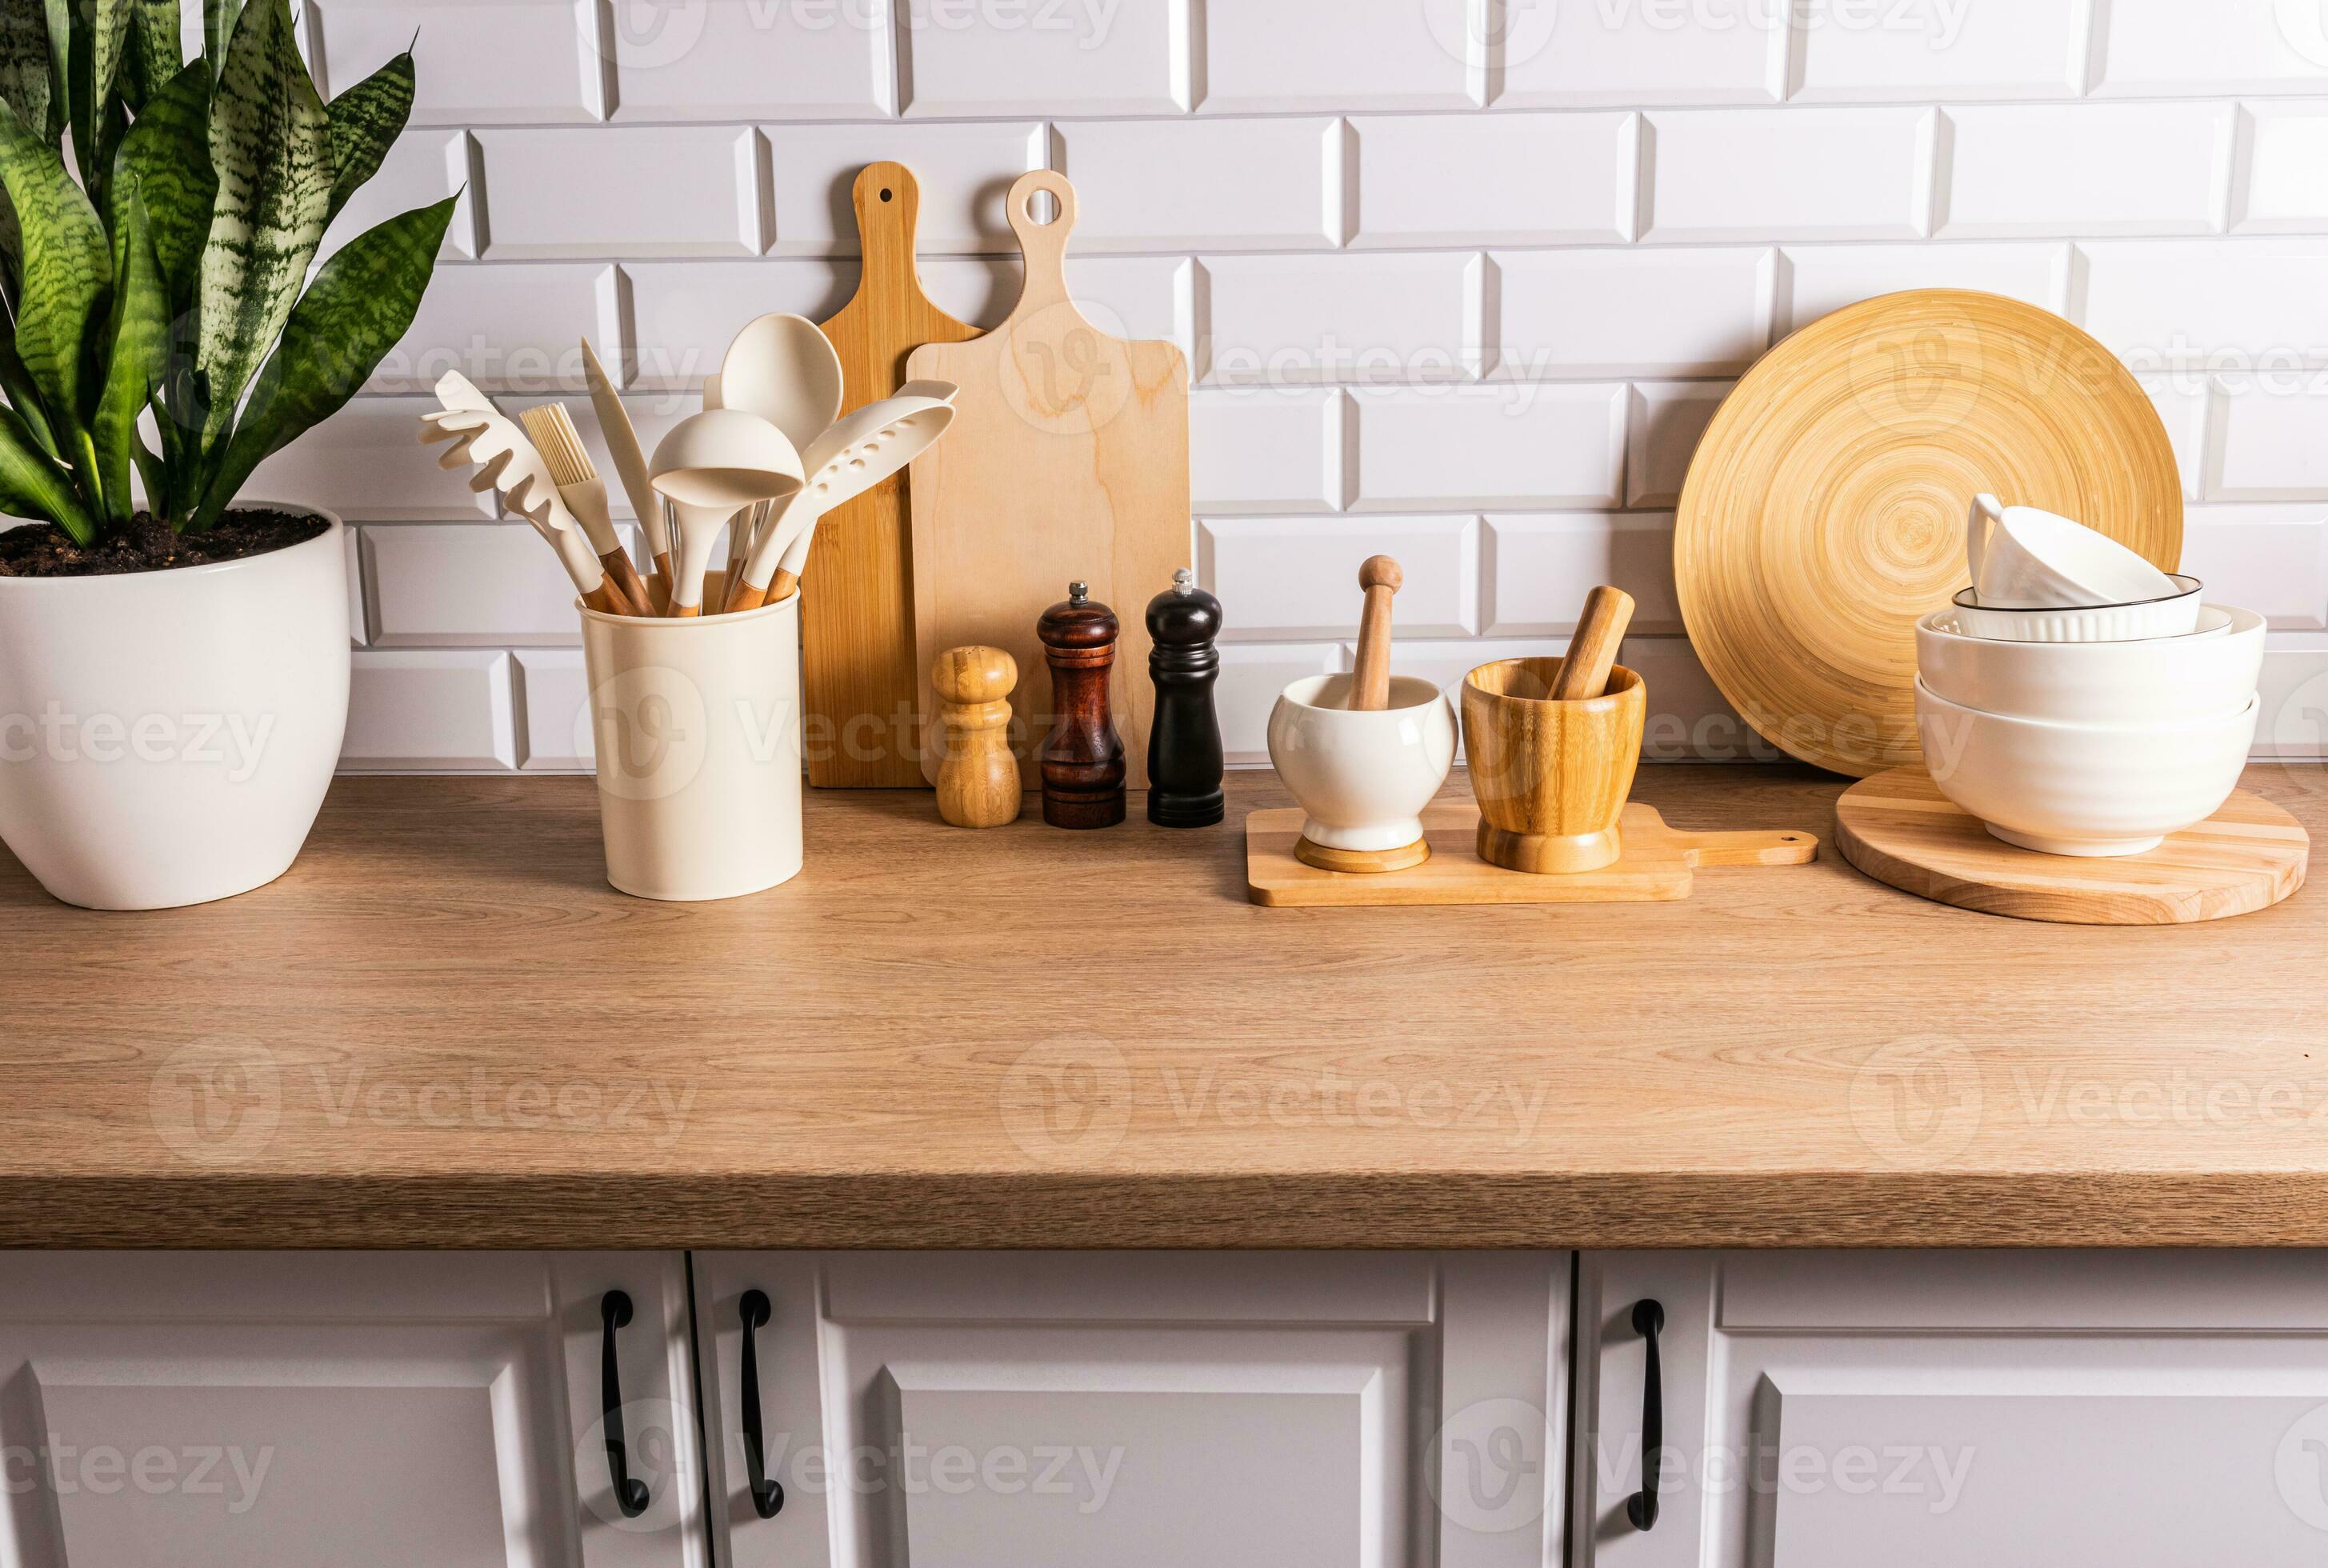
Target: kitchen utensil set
{"points": [[710, 467], [483, 439], [585, 495]]}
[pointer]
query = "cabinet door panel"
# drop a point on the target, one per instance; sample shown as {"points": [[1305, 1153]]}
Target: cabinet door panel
{"points": [[351, 1409], [1829, 1409], [1054, 1411]]}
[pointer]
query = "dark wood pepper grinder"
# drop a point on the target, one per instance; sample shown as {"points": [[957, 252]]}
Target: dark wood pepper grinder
{"points": [[1082, 756], [1184, 744]]}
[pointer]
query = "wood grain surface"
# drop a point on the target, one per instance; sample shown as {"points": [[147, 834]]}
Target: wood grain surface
{"points": [[1067, 462], [1825, 508], [859, 678], [1656, 863], [1898, 828], [443, 1030]]}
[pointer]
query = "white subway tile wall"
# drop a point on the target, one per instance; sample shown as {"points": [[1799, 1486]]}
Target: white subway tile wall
{"points": [[1460, 280]]}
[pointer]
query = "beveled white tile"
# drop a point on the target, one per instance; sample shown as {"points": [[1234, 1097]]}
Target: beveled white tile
{"points": [[1205, 184], [962, 59], [2293, 723], [1856, 53], [1500, 179], [366, 463], [420, 170], [2267, 445], [429, 712], [2281, 183], [1694, 312], [1816, 280], [466, 584], [622, 191], [2154, 47], [687, 312], [2234, 305], [1492, 447], [1795, 173], [1542, 565], [1296, 578], [1376, 319], [1266, 449], [1252, 676], [556, 688], [1565, 55], [2087, 168], [743, 59], [963, 171], [513, 328], [474, 62], [1342, 54], [2272, 559], [1667, 421]]}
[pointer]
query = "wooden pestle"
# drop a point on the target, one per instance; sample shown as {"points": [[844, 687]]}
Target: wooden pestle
{"points": [[1592, 650], [1370, 677]]}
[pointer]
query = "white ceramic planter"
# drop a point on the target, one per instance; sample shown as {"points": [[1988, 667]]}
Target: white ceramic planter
{"points": [[166, 737], [696, 727]]}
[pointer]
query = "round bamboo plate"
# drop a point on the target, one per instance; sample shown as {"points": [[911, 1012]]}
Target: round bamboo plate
{"points": [[1898, 828], [1824, 511]]}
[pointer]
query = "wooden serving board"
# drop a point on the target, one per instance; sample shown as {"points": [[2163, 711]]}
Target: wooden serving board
{"points": [[1825, 509], [858, 656], [1657, 867], [1067, 462], [1898, 828]]}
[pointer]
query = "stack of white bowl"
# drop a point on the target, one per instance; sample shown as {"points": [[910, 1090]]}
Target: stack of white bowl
{"points": [[2077, 700]]}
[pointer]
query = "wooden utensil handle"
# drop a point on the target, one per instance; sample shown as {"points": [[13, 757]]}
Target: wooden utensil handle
{"points": [[627, 581], [1381, 579], [1592, 651], [1761, 847], [1045, 244]]}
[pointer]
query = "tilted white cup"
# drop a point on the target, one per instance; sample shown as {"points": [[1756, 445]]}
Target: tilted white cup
{"points": [[2026, 558]]}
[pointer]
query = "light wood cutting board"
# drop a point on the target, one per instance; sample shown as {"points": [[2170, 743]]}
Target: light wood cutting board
{"points": [[858, 674], [1067, 462]]}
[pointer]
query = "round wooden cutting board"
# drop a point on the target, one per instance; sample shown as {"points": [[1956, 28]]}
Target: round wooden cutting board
{"points": [[1824, 511], [1898, 828]]}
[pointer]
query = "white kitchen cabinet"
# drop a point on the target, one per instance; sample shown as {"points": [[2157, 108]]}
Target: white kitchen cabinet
{"points": [[289, 1410], [1934, 1410], [1147, 1409]]}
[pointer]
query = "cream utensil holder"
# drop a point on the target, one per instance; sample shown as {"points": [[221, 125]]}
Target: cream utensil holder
{"points": [[697, 727]]}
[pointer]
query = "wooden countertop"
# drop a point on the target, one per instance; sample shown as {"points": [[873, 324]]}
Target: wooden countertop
{"points": [[442, 1030]]}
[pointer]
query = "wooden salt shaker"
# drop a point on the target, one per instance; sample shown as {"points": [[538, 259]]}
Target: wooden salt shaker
{"points": [[1185, 759], [978, 778], [1082, 756]]}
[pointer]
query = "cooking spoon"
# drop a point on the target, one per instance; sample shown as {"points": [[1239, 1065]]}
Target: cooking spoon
{"points": [[783, 369], [846, 460], [709, 467]]}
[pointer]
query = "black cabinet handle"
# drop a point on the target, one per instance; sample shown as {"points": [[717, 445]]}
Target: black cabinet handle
{"points": [[1641, 1508], [630, 1495], [768, 1495]]}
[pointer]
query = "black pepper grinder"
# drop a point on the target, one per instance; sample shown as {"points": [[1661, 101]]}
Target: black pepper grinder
{"points": [[1082, 756], [1184, 760]]}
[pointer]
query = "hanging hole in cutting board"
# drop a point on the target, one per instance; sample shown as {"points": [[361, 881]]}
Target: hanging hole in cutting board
{"points": [[1042, 209]]}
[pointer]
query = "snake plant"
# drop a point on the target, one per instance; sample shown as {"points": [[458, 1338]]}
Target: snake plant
{"points": [[163, 272]]}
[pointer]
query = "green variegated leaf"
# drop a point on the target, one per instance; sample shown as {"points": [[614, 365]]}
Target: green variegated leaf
{"points": [[26, 65], [138, 352], [271, 144], [165, 159], [366, 120], [156, 51], [99, 43], [59, 19], [361, 305], [32, 485], [24, 396], [219, 20], [67, 270]]}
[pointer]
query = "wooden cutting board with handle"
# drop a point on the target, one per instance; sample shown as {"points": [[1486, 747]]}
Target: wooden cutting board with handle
{"points": [[1067, 462], [858, 675]]}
